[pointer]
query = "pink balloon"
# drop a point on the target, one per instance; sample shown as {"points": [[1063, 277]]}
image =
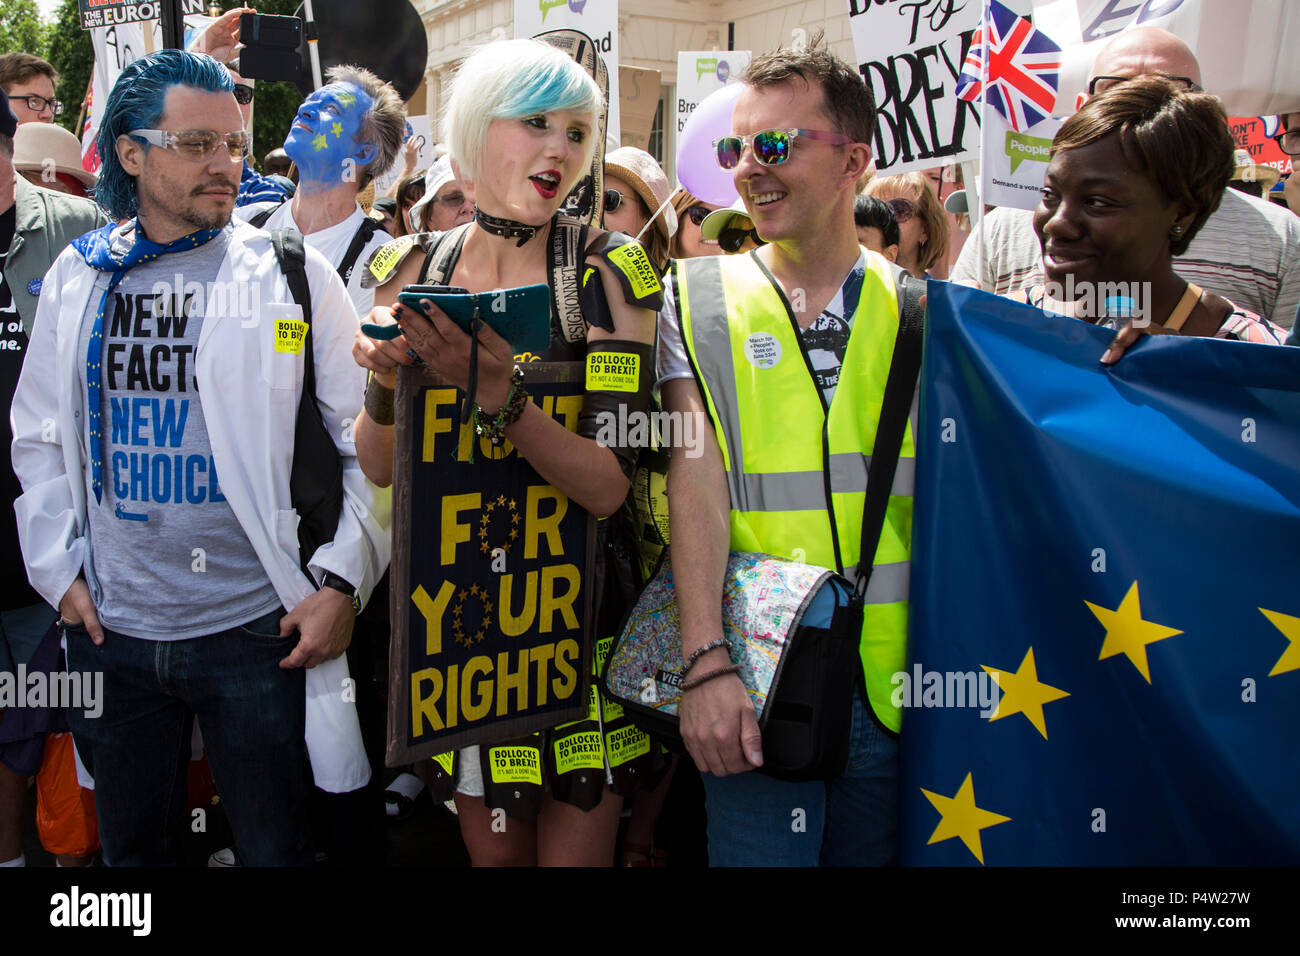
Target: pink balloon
{"points": [[697, 162]]}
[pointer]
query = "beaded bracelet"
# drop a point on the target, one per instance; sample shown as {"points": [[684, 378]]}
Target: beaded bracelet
{"points": [[494, 429], [701, 651], [696, 682]]}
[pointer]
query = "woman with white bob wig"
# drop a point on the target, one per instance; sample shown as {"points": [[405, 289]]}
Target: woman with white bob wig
{"points": [[521, 126]]}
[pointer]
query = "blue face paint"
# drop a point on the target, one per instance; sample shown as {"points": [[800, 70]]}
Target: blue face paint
{"points": [[323, 141]]}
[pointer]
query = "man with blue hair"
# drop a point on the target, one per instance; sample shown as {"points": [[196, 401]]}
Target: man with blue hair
{"points": [[154, 437]]}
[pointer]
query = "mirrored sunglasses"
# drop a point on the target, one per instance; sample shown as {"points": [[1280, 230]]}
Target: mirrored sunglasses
{"points": [[771, 146]]}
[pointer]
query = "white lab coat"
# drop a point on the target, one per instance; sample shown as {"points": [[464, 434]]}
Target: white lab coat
{"points": [[250, 395]]}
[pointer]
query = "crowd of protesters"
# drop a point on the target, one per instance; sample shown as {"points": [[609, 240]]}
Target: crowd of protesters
{"points": [[192, 598]]}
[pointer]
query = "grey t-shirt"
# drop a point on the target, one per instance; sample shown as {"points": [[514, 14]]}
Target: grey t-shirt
{"points": [[171, 558]]}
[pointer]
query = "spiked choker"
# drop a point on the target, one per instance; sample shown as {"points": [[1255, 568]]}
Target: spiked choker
{"points": [[508, 228]]}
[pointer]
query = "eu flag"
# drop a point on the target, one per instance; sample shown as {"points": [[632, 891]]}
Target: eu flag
{"points": [[1104, 666]]}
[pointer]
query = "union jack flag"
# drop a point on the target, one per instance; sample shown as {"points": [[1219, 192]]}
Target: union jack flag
{"points": [[1022, 64]]}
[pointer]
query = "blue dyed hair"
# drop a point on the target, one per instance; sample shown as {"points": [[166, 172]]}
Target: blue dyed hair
{"points": [[136, 102], [509, 79]]}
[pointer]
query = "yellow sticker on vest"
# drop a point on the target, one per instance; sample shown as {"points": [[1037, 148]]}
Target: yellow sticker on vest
{"points": [[444, 761], [289, 335], [613, 372], [389, 255], [635, 264], [515, 765], [579, 751]]}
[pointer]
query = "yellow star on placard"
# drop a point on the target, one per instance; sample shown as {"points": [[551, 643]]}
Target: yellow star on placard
{"points": [[959, 817], [1127, 633], [319, 143], [1290, 628], [1022, 693]]}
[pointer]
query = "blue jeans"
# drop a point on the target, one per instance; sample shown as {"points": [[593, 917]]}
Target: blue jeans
{"points": [[755, 820], [252, 715]]}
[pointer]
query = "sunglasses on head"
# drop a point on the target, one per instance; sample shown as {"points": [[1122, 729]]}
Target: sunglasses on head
{"points": [[731, 238], [772, 147], [243, 94], [697, 214], [903, 209]]}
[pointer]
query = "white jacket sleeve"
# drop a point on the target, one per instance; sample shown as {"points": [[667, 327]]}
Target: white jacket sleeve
{"points": [[50, 530], [360, 550]]}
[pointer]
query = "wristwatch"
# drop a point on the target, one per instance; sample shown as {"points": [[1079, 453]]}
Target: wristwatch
{"points": [[336, 583]]}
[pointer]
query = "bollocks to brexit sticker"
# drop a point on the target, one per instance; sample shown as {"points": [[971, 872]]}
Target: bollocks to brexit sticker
{"points": [[387, 257], [613, 372], [289, 335], [635, 264]]}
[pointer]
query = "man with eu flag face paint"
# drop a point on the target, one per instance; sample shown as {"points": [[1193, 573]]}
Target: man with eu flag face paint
{"points": [[344, 135], [154, 426]]}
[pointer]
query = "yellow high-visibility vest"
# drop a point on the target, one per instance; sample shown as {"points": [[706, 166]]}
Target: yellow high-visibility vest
{"points": [[797, 471]]}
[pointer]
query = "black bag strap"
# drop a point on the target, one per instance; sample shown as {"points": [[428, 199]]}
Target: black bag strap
{"points": [[292, 257], [365, 232], [900, 386], [440, 261], [264, 212]]}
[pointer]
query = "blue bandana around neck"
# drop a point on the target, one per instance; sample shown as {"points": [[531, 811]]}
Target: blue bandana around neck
{"points": [[96, 248]]}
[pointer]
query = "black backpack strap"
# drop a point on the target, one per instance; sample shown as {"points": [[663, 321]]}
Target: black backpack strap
{"points": [[441, 259], [365, 232], [292, 257], [900, 386], [564, 264], [264, 212]]}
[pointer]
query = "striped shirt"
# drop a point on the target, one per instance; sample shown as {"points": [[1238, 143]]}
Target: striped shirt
{"points": [[1248, 251]]}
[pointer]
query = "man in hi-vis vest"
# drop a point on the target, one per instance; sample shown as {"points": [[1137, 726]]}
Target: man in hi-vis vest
{"points": [[787, 350]]}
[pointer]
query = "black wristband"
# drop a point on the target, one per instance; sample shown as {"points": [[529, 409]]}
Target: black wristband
{"points": [[336, 583], [379, 402]]}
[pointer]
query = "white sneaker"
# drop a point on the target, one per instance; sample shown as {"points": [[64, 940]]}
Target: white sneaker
{"points": [[224, 857]]}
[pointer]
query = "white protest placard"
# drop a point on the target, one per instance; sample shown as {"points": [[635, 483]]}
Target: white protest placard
{"points": [[596, 18], [700, 72], [910, 54], [1014, 163], [1245, 48], [421, 129]]}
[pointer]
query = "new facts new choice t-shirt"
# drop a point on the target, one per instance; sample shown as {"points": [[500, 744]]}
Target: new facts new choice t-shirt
{"points": [[171, 558]]}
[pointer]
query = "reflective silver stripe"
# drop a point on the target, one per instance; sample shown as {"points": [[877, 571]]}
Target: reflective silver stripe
{"points": [[889, 582], [711, 350], [805, 490], [849, 474]]}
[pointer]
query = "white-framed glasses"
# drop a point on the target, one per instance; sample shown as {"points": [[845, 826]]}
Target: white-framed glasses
{"points": [[196, 143]]}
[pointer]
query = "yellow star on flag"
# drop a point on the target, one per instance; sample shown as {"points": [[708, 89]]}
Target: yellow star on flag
{"points": [[319, 143], [959, 817], [1290, 628], [1022, 693], [1127, 633], [337, 129]]}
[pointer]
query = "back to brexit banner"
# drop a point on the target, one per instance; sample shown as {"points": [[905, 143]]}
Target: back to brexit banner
{"points": [[1105, 660]]}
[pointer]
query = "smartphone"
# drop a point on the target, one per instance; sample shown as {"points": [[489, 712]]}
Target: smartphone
{"points": [[521, 316], [386, 333]]}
